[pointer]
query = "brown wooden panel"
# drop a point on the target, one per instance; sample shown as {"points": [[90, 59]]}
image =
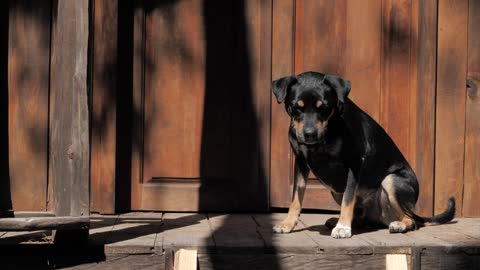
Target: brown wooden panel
{"points": [[104, 108], [422, 103], [320, 33], [207, 114], [395, 87], [320, 45], [174, 92], [28, 78], [69, 162], [282, 65], [363, 54], [471, 186], [137, 102], [450, 112]]}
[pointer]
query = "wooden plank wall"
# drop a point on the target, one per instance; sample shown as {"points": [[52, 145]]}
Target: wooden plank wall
{"points": [[28, 88], [426, 99]]}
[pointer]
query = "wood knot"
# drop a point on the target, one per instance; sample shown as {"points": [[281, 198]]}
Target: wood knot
{"points": [[70, 153], [472, 88]]}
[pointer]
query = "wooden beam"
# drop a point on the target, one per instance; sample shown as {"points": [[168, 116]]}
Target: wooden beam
{"points": [[69, 115], [44, 223]]}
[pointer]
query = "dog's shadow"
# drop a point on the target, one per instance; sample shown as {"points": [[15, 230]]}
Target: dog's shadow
{"points": [[326, 228]]}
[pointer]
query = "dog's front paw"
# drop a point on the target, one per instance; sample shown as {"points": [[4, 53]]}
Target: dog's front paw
{"points": [[285, 226], [341, 231], [397, 227]]}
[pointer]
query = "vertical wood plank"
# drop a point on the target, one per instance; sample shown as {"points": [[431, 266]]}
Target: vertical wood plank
{"points": [[471, 187], [363, 54], [69, 113], [450, 110], [422, 103], [138, 92], [320, 45], [28, 75], [395, 101], [251, 108], [104, 109], [282, 65]]}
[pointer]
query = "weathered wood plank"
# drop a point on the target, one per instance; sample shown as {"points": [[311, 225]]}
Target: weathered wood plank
{"points": [[43, 223], [290, 261], [104, 106], [315, 229], [26, 214], [28, 79], [185, 231], [69, 116], [451, 94], [235, 233], [134, 234], [447, 262], [471, 187]]}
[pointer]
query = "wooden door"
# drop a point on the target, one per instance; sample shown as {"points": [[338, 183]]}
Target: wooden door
{"points": [[205, 106], [375, 46]]}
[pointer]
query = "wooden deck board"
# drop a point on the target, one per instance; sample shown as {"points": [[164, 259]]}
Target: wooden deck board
{"points": [[219, 238]]}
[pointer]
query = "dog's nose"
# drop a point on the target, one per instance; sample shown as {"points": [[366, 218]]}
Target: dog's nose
{"points": [[309, 134]]}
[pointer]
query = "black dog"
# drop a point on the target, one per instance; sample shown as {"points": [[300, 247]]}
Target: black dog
{"points": [[350, 154]]}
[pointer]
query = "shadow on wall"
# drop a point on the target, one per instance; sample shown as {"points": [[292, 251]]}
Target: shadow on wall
{"points": [[5, 198]]}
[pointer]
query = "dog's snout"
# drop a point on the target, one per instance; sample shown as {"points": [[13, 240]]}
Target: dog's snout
{"points": [[309, 133]]}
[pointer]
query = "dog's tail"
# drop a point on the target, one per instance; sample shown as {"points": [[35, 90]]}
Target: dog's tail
{"points": [[444, 217]]}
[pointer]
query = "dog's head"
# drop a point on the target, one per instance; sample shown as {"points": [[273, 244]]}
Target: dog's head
{"points": [[311, 99]]}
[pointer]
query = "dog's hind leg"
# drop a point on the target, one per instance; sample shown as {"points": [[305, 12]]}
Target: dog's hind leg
{"points": [[397, 193], [301, 174]]}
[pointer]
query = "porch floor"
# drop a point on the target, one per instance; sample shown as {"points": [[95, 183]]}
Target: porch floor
{"points": [[247, 239]]}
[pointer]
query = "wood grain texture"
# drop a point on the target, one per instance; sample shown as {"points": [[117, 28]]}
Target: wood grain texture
{"points": [[290, 261], [395, 100], [363, 54], [69, 115], [471, 186], [104, 108], [43, 223], [422, 103], [320, 45], [282, 65], [450, 108], [207, 114], [28, 79], [138, 105]]}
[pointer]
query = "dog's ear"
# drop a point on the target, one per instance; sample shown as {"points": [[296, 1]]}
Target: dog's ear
{"points": [[281, 86], [341, 86]]}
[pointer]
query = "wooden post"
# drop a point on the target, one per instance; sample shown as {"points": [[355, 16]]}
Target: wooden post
{"points": [[69, 113]]}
